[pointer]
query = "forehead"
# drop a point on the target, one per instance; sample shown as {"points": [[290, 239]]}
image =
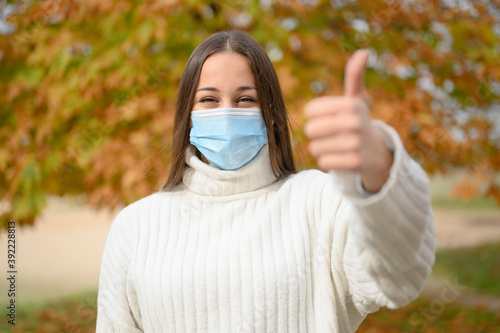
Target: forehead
{"points": [[226, 70]]}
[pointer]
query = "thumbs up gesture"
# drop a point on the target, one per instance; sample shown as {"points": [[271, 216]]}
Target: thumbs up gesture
{"points": [[340, 132]]}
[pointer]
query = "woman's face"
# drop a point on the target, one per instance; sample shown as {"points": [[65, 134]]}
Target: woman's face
{"points": [[226, 81]]}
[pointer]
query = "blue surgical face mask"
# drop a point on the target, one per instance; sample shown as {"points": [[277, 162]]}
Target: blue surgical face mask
{"points": [[228, 137]]}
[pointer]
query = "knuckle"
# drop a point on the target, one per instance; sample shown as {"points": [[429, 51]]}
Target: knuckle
{"points": [[309, 129], [313, 148], [322, 163]]}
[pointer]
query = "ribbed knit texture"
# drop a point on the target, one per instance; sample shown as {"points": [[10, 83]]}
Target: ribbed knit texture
{"points": [[239, 251]]}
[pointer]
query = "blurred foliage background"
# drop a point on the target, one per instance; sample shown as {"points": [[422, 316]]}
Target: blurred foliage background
{"points": [[88, 88]]}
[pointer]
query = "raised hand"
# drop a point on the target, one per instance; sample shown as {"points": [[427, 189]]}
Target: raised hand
{"points": [[341, 134]]}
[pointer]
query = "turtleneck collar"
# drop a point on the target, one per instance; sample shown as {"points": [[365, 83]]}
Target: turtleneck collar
{"points": [[205, 179]]}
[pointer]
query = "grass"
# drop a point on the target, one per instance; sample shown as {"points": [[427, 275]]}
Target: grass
{"points": [[78, 314], [72, 314], [479, 204], [422, 315], [477, 267]]}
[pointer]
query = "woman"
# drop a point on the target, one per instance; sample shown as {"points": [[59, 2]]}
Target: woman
{"points": [[238, 241]]}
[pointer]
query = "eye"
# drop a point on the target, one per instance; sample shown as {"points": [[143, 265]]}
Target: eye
{"points": [[247, 100], [208, 100]]}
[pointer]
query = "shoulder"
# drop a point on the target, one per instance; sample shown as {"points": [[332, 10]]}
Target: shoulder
{"points": [[308, 178], [132, 214], [307, 175]]}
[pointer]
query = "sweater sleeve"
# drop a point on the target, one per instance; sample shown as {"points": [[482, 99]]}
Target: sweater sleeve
{"points": [[117, 307], [390, 243]]}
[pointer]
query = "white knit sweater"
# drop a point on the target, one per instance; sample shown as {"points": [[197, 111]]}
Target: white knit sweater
{"points": [[239, 251]]}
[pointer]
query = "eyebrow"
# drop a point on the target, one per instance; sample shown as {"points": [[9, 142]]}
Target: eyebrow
{"points": [[241, 88]]}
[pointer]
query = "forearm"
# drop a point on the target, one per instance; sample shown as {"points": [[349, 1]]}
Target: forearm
{"points": [[391, 239], [376, 175]]}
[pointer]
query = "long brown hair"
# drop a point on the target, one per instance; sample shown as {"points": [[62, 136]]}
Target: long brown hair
{"points": [[271, 99]]}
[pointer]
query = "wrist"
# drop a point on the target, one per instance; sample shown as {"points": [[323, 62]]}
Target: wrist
{"points": [[375, 176]]}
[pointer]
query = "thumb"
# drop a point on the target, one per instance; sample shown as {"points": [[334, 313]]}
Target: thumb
{"points": [[354, 81]]}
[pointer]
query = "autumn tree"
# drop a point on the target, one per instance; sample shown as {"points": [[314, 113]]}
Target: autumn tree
{"points": [[87, 89]]}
